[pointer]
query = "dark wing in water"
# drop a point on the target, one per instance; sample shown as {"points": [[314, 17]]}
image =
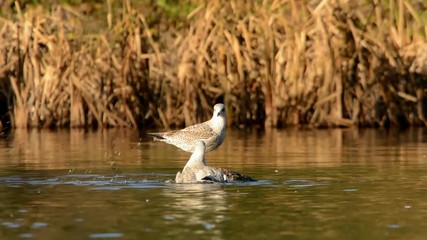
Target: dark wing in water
{"points": [[235, 176], [230, 176], [210, 179]]}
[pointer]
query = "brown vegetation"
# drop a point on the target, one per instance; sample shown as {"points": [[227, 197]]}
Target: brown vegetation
{"points": [[62, 77], [275, 63]]}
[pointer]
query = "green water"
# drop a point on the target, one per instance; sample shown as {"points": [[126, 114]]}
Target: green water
{"points": [[117, 184]]}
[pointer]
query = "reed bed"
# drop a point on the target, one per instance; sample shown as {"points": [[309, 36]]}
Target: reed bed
{"points": [[60, 77], [273, 63], [321, 63]]}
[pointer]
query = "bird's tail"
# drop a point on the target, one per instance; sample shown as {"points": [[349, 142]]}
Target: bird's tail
{"points": [[156, 136]]}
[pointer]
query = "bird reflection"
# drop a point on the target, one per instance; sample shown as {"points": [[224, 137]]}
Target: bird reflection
{"points": [[198, 204]]}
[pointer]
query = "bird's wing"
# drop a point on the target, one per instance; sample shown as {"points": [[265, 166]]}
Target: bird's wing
{"points": [[235, 176], [200, 132], [162, 135], [209, 179], [200, 127]]}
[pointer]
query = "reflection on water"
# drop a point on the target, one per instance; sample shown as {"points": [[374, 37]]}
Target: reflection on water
{"points": [[43, 149], [118, 184], [198, 204]]}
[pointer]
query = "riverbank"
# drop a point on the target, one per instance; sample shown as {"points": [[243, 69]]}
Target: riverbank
{"points": [[318, 64]]}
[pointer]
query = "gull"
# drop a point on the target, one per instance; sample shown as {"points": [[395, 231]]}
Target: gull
{"points": [[196, 170], [211, 132]]}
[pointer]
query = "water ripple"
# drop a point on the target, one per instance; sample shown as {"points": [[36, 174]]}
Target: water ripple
{"points": [[106, 235], [26, 235], [11, 225], [99, 182], [37, 225], [304, 183]]}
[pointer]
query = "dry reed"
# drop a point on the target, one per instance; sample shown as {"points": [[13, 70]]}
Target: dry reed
{"points": [[321, 63], [62, 77], [274, 63]]}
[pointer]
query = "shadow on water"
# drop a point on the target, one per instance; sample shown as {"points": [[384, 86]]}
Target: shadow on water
{"points": [[323, 184]]}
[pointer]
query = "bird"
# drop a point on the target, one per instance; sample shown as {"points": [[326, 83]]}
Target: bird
{"points": [[196, 170], [211, 132]]}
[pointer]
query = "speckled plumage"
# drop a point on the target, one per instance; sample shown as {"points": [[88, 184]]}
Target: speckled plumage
{"points": [[196, 170], [211, 132]]}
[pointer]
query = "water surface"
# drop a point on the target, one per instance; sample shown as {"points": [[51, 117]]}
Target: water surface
{"points": [[117, 184]]}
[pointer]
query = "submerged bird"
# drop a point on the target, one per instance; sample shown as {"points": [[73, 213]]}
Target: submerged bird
{"points": [[196, 170], [211, 132]]}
